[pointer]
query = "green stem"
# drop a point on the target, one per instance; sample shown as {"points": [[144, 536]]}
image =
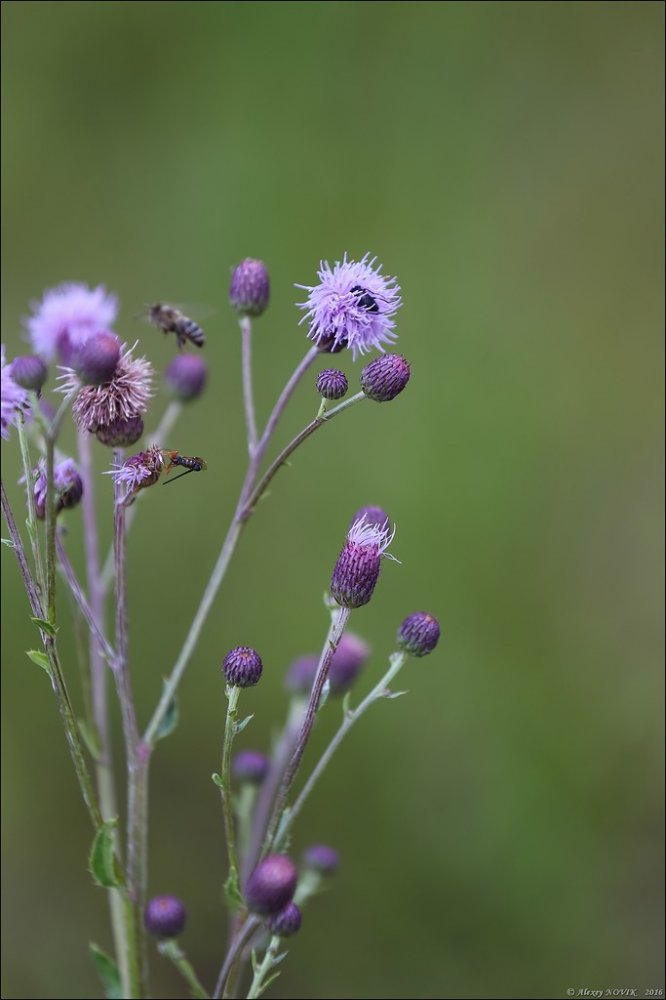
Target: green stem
{"points": [[171, 949], [261, 972], [233, 694], [50, 530], [30, 497]]}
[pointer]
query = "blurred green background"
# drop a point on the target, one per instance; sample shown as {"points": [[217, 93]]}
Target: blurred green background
{"points": [[500, 827]]}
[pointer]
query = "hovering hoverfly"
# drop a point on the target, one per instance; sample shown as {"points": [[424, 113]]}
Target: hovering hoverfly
{"points": [[176, 460], [169, 319]]}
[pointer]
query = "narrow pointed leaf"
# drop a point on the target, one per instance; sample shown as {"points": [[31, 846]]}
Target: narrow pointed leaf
{"points": [[45, 626], [107, 970], [41, 659], [102, 861]]}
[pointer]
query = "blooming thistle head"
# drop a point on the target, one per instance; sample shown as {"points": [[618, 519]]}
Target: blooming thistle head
{"points": [[357, 569], [186, 376], [286, 922], [250, 766], [419, 634], [29, 371], [242, 667], [123, 397], [13, 399], [332, 384], [352, 306], [385, 378], [249, 291], [322, 859], [137, 473], [96, 360], [68, 486], [165, 916], [67, 316], [271, 885]]}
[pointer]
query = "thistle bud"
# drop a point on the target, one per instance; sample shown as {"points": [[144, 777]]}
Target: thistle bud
{"points": [[332, 384], [250, 766], [419, 634], [271, 885], [29, 371], [242, 667], [301, 674], [95, 362], [357, 569], [250, 287], [321, 858], [346, 663], [186, 376], [165, 916], [121, 433], [67, 483], [385, 377], [286, 922]]}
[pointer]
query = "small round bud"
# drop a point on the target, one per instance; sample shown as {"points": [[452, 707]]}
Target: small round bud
{"points": [[67, 483], [373, 515], [242, 667], [250, 766], [286, 922], [301, 674], [96, 361], [346, 663], [322, 858], [332, 384], [250, 287], [121, 433], [419, 634], [29, 371], [385, 377], [165, 916], [271, 885], [186, 376]]}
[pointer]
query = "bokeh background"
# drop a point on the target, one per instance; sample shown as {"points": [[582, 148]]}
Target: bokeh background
{"points": [[501, 826]]}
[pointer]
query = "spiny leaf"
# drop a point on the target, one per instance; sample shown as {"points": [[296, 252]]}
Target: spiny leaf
{"points": [[45, 626], [107, 970], [41, 659], [102, 861]]}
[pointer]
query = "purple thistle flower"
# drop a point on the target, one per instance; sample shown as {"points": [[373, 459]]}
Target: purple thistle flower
{"points": [[125, 396], [138, 472], [186, 376], [385, 378], [96, 360], [301, 674], [29, 371], [165, 916], [332, 384], [373, 515], [286, 922], [271, 885], [67, 316], [357, 569], [250, 766], [121, 433], [67, 482], [352, 306], [13, 399], [322, 858], [242, 667], [419, 634], [250, 287]]}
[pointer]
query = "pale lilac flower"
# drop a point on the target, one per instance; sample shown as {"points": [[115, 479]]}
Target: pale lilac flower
{"points": [[123, 397], [138, 472], [352, 306], [66, 316], [13, 399]]}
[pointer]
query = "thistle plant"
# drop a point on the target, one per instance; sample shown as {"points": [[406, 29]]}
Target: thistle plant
{"points": [[106, 388]]}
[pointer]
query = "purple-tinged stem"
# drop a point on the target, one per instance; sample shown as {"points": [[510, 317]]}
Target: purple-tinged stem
{"points": [[284, 397], [103, 645], [248, 394], [243, 933]]}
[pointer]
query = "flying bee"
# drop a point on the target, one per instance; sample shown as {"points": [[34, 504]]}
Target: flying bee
{"points": [[171, 320], [176, 460]]}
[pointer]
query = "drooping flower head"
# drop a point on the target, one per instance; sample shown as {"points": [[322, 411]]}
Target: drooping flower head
{"points": [[123, 397], [68, 486], [352, 306], [286, 922], [66, 316], [357, 569], [138, 472], [165, 916], [13, 399]]}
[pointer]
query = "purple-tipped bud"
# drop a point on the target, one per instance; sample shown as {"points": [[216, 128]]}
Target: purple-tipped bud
{"points": [[29, 371], [301, 674], [242, 667], [322, 858], [419, 634], [68, 487], [250, 766], [332, 384], [165, 916], [271, 885], [121, 433], [346, 663], [373, 515], [186, 376], [385, 377], [286, 922], [96, 361], [357, 569], [250, 287]]}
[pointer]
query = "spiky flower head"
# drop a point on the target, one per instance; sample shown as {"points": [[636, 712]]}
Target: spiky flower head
{"points": [[286, 922], [124, 396], [357, 569], [332, 384], [242, 667], [186, 376], [121, 433], [322, 858], [29, 371], [271, 885], [97, 359], [249, 291], [13, 399], [165, 916], [67, 482], [66, 316], [385, 378], [419, 634], [352, 306], [250, 766], [373, 515], [137, 473]]}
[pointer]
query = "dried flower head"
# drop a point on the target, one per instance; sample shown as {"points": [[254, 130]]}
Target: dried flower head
{"points": [[250, 287], [322, 858], [67, 482], [357, 569], [96, 361], [419, 634], [242, 667], [332, 384], [138, 472], [165, 916], [121, 433], [286, 922], [250, 766], [352, 306], [13, 399], [124, 396], [271, 885], [186, 376], [66, 316], [29, 371], [385, 378]]}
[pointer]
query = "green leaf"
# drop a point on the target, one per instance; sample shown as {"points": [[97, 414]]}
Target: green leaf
{"points": [[107, 970], [391, 695], [8, 542], [264, 986], [45, 626], [41, 659], [102, 861], [240, 726], [169, 722], [90, 738], [217, 780], [232, 891]]}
